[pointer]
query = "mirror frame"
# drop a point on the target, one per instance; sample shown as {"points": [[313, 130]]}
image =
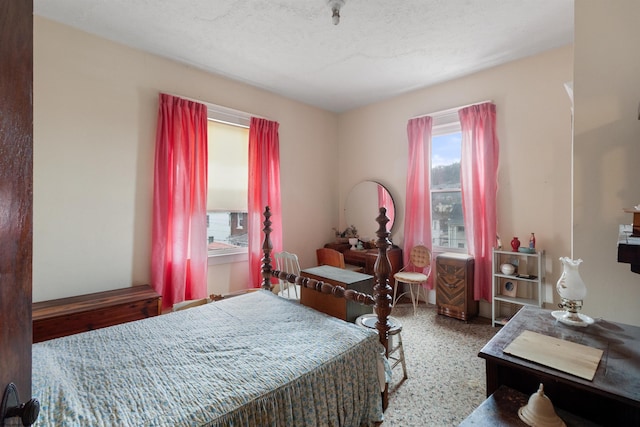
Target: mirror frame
{"points": [[363, 192]]}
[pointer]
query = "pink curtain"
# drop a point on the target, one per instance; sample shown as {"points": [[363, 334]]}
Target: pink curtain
{"points": [[417, 221], [479, 184], [384, 199], [179, 236], [264, 190]]}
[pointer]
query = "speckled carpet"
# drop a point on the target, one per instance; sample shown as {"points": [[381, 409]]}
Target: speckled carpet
{"points": [[446, 378]]}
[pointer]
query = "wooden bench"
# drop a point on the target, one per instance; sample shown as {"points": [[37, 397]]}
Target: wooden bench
{"points": [[67, 316]]}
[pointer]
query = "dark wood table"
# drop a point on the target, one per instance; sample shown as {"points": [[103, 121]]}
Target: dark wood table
{"points": [[612, 398]]}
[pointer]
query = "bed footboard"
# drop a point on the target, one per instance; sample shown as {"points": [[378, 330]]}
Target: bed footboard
{"points": [[382, 291]]}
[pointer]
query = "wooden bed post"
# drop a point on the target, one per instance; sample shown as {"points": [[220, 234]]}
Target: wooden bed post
{"points": [[267, 247], [381, 301], [382, 290]]}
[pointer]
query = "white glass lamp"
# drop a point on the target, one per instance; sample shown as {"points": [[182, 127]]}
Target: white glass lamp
{"points": [[572, 291]]}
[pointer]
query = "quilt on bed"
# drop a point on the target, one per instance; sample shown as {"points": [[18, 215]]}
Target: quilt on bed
{"points": [[252, 360]]}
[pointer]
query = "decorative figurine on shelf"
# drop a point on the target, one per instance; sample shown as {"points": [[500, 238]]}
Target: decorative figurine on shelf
{"points": [[515, 244], [498, 242], [532, 241], [353, 241]]}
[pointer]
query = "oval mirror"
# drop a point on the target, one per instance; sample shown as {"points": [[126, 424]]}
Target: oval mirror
{"points": [[361, 208]]}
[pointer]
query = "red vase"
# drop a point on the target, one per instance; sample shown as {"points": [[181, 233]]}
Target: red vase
{"points": [[515, 244]]}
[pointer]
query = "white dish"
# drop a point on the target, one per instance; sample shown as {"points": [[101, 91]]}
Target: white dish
{"points": [[561, 316]]}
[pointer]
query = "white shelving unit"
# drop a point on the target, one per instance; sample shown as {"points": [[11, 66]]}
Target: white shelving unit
{"points": [[512, 291]]}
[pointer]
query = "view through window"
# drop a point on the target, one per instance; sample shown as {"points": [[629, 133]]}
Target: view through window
{"points": [[447, 226]]}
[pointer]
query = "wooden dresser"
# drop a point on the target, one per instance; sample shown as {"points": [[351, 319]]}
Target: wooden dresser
{"points": [[454, 286], [367, 258], [337, 307], [67, 316]]}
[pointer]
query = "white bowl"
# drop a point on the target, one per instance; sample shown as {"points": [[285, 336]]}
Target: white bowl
{"points": [[507, 269]]}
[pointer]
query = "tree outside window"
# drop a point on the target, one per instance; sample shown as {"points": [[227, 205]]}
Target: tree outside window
{"points": [[447, 227]]}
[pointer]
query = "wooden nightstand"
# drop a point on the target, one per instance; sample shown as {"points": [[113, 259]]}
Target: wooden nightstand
{"points": [[454, 286], [67, 316]]}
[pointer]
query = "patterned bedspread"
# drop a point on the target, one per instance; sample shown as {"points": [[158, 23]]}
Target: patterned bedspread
{"points": [[252, 360]]}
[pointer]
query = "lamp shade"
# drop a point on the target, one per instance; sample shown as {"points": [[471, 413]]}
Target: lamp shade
{"points": [[570, 285]]}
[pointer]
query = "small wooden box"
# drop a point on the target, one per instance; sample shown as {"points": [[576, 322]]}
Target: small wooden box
{"points": [[67, 316], [454, 286], [337, 307]]}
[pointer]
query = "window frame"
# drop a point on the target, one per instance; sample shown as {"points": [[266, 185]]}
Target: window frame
{"points": [[230, 117], [444, 123]]}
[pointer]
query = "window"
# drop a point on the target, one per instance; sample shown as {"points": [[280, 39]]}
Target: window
{"points": [[447, 226], [228, 147]]}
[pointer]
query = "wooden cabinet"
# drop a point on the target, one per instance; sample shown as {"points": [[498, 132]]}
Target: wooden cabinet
{"points": [[67, 316], [523, 287], [629, 245], [454, 286], [337, 307]]}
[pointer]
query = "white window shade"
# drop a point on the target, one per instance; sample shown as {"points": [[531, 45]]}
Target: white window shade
{"points": [[228, 167]]}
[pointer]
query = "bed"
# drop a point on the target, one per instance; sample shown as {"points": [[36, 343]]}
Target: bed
{"points": [[251, 360]]}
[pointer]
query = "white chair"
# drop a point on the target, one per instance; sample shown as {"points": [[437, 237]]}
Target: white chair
{"points": [[287, 262], [412, 274]]}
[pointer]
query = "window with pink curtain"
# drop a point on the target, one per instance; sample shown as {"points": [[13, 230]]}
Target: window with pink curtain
{"points": [[264, 190], [479, 186], [179, 243], [417, 221]]}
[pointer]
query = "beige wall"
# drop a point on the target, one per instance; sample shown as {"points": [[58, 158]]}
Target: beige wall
{"points": [[606, 151], [534, 129], [94, 113], [95, 106]]}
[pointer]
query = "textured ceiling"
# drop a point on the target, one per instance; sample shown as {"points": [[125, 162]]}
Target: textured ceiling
{"points": [[380, 49]]}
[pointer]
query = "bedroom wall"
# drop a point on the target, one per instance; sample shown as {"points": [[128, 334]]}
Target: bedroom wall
{"points": [[95, 106], [606, 152], [534, 129], [94, 123]]}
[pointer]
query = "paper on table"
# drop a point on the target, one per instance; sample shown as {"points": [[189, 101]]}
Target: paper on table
{"points": [[566, 356]]}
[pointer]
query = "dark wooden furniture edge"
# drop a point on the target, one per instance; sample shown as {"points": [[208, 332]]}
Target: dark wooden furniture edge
{"points": [[380, 300], [596, 402], [80, 303], [629, 254], [66, 316], [501, 409]]}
